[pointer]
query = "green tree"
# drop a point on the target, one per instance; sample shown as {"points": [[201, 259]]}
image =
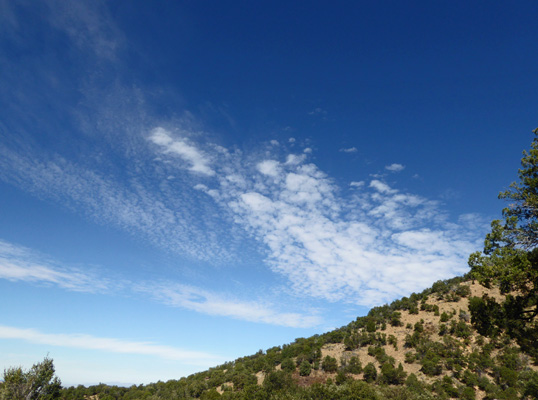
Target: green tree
{"points": [[305, 368], [354, 366], [329, 364], [288, 365], [39, 382], [370, 373], [510, 259]]}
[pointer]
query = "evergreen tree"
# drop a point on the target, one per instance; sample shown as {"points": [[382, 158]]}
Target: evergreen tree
{"points": [[38, 383], [510, 260]]}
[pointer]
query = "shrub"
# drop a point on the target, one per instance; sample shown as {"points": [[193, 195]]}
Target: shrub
{"points": [[305, 368], [410, 357], [354, 366], [341, 378], [370, 373], [393, 341], [391, 375], [329, 364], [395, 319], [444, 317], [430, 364], [288, 365]]}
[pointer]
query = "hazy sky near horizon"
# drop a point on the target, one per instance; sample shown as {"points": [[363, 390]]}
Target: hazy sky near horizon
{"points": [[184, 183]]}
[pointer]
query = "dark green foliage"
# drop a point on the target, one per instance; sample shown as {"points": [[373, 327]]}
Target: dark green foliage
{"points": [[413, 383], [531, 386], [39, 382], [467, 393], [431, 364], [277, 380], [305, 368], [413, 309], [395, 319], [393, 341], [370, 325], [353, 366], [391, 375], [462, 290], [329, 364], [410, 357], [510, 258], [341, 378], [370, 373], [242, 379], [288, 365], [444, 317], [460, 329]]}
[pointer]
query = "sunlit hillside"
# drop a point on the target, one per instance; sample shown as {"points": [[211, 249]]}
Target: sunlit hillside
{"points": [[419, 347]]}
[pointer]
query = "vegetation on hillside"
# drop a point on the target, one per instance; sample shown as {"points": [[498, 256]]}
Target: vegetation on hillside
{"points": [[457, 339]]}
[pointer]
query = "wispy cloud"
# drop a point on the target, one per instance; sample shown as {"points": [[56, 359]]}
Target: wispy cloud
{"points": [[395, 167], [19, 263], [88, 24], [198, 161], [353, 248], [357, 184], [110, 345], [349, 150], [206, 302], [143, 205], [366, 249]]}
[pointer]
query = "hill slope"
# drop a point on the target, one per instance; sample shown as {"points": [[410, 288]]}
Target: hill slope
{"points": [[421, 347]]}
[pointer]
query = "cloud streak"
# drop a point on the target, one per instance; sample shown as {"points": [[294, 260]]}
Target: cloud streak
{"points": [[188, 197], [18, 263], [110, 345], [206, 302], [198, 161]]}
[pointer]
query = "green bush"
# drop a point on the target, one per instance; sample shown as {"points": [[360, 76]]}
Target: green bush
{"points": [[329, 364], [288, 365], [444, 317], [305, 368], [370, 373], [354, 366]]}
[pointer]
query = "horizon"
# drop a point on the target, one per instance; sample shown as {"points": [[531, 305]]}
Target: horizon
{"points": [[185, 184]]}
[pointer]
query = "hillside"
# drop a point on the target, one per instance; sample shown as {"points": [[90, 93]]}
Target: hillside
{"points": [[420, 347]]}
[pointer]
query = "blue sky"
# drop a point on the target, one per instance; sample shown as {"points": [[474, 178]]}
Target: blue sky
{"points": [[184, 183]]}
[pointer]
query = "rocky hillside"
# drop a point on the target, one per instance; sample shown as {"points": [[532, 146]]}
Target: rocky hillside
{"points": [[420, 347]]}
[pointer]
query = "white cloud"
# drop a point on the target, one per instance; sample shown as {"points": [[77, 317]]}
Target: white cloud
{"points": [[349, 150], [18, 263], [199, 161], [110, 345], [357, 184], [269, 167], [381, 187], [294, 159], [149, 205], [206, 302], [326, 244], [395, 167], [368, 250]]}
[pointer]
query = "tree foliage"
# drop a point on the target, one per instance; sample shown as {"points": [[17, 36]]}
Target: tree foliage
{"points": [[510, 260], [37, 383]]}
